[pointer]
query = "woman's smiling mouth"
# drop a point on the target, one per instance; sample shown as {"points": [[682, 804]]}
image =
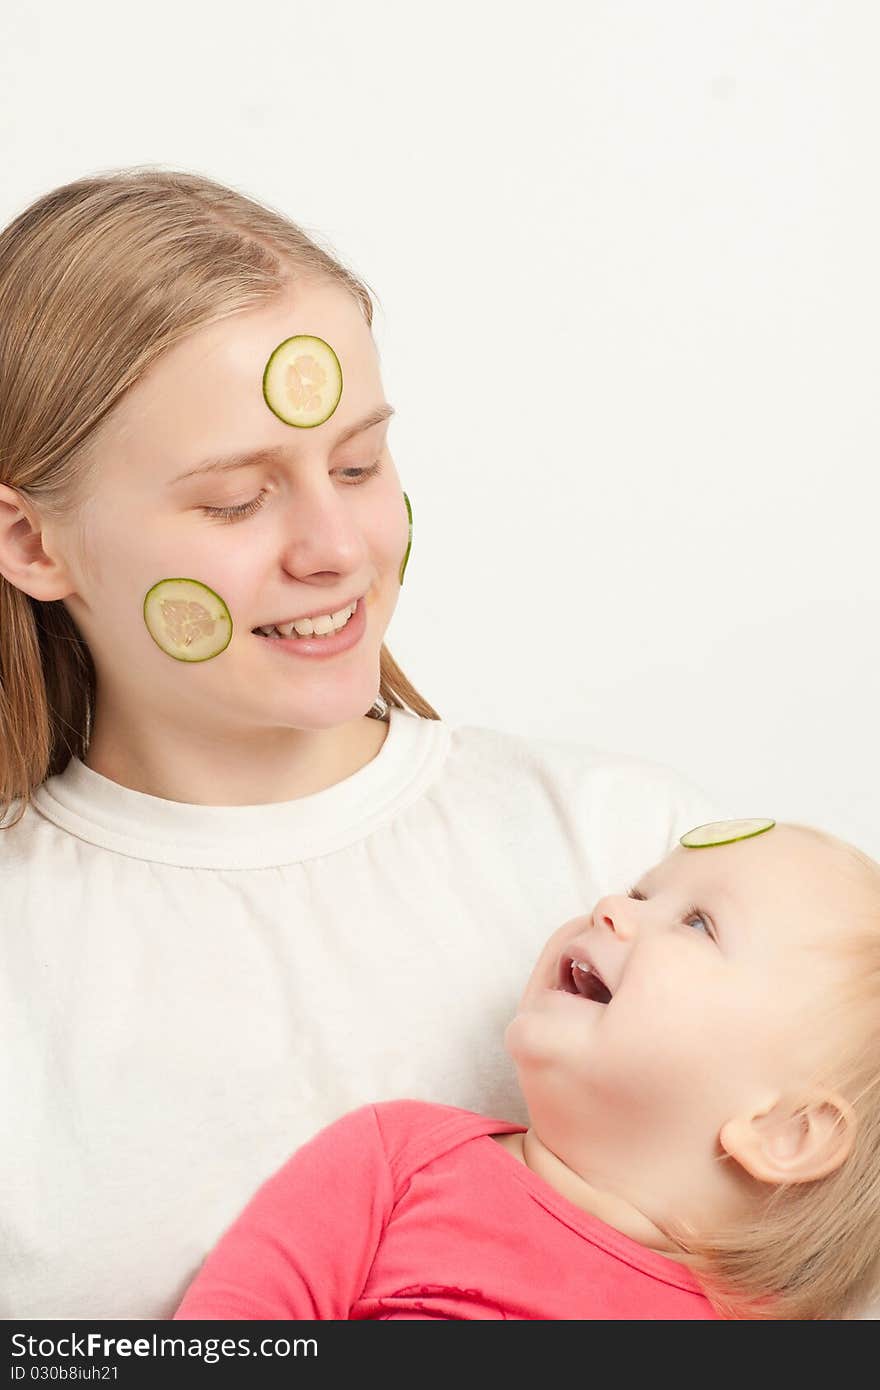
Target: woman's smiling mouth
{"points": [[316, 624], [316, 645]]}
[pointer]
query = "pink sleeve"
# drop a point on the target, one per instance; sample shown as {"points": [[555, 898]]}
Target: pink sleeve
{"points": [[304, 1244]]}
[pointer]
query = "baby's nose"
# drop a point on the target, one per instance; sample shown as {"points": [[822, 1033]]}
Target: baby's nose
{"points": [[618, 915]]}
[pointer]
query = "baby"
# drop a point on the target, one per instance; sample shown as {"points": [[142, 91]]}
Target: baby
{"points": [[700, 1058]]}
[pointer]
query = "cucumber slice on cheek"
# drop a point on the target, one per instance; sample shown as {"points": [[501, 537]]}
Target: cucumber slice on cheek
{"points": [[403, 562], [187, 620], [302, 382]]}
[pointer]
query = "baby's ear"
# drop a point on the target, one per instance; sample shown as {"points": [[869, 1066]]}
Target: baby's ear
{"points": [[792, 1140]]}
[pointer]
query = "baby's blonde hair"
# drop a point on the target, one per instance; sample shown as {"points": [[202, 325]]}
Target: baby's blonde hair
{"points": [[98, 279], [811, 1250]]}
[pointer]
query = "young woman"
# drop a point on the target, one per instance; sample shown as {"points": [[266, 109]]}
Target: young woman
{"points": [[249, 881]]}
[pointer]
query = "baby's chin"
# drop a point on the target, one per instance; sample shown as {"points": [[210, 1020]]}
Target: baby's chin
{"points": [[511, 1036], [527, 1043]]}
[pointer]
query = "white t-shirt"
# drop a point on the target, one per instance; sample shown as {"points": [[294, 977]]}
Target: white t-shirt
{"points": [[188, 993]]}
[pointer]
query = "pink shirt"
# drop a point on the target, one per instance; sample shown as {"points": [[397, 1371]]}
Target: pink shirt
{"points": [[409, 1210]]}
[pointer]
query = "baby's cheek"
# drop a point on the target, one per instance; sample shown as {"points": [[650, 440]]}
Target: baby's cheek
{"points": [[544, 972], [654, 1028]]}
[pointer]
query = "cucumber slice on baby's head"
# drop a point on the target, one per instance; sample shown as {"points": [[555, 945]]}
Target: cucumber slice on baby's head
{"points": [[725, 832], [302, 383], [187, 619]]}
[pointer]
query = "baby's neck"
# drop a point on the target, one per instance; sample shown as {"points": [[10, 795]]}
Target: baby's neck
{"points": [[613, 1210]]}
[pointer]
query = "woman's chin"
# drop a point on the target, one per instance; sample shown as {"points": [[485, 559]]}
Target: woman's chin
{"points": [[332, 709]]}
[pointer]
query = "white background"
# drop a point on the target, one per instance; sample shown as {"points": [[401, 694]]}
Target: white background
{"points": [[627, 262]]}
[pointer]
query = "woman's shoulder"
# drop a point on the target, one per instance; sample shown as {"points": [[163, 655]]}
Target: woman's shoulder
{"points": [[615, 801], [18, 825], [571, 762]]}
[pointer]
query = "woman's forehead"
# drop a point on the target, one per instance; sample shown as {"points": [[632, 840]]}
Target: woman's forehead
{"points": [[204, 397]]}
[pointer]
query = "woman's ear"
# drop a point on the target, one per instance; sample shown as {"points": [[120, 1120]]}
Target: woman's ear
{"points": [[792, 1142], [24, 560]]}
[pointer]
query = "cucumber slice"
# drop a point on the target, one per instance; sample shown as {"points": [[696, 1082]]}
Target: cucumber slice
{"points": [[409, 542], [302, 383], [725, 832], [187, 619]]}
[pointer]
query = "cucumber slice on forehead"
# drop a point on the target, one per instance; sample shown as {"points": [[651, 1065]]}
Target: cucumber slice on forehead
{"points": [[725, 832], [302, 382], [187, 619]]}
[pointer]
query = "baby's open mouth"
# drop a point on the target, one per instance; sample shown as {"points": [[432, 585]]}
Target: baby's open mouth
{"points": [[579, 977]]}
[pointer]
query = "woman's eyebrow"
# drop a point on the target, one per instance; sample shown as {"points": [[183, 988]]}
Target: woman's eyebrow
{"points": [[231, 461]]}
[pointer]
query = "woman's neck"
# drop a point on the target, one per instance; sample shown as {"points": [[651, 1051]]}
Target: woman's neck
{"points": [[291, 764]]}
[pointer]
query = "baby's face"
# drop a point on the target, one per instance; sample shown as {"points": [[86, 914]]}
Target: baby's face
{"points": [[717, 965]]}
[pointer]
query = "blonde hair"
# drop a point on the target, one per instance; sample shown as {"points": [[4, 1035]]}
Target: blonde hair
{"points": [[98, 279], [811, 1250]]}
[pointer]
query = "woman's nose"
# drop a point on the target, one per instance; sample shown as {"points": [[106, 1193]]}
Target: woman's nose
{"points": [[618, 914], [323, 536]]}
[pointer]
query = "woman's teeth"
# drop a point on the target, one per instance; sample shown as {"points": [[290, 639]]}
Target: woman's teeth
{"points": [[311, 627]]}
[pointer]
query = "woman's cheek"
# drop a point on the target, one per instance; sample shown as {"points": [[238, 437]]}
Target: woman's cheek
{"points": [[389, 533]]}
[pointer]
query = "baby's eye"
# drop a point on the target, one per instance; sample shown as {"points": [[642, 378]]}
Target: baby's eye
{"points": [[695, 915]]}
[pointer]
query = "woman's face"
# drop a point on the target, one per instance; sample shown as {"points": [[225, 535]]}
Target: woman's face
{"points": [[323, 529]]}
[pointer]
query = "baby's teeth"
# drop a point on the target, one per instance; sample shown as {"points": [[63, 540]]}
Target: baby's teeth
{"points": [[304, 627]]}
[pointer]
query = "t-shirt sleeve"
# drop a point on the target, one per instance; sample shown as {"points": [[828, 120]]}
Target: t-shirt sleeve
{"points": [[636, 812], [303, 1246]]}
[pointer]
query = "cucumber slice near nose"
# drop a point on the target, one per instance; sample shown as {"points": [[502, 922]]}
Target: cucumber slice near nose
{"points": [[187, 620], [302, 381], [725, 832]]}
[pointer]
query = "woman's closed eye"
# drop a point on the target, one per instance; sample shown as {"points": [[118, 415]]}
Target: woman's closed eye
{"points": [[362, 475], [231, 513]]}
